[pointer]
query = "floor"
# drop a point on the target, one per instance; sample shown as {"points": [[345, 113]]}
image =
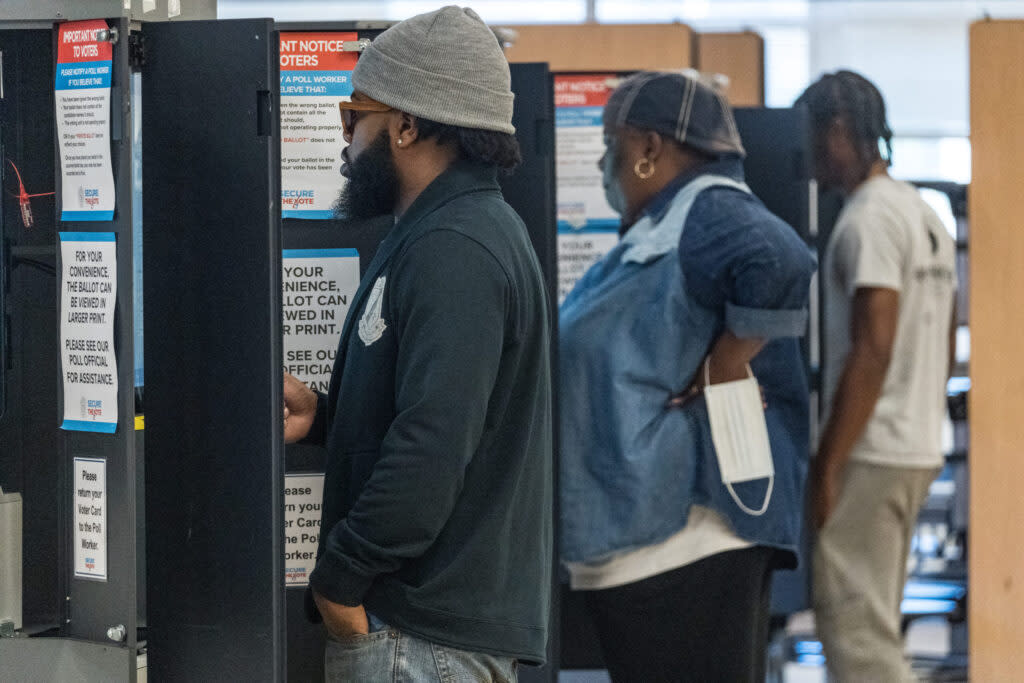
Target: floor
{"points": [[926, 638]]}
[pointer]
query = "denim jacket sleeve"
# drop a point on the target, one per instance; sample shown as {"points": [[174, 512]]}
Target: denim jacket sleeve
{"points": [[738, 257]]}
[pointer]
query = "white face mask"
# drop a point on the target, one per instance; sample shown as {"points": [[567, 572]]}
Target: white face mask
{"points": [[740, 435], [613, 193]]}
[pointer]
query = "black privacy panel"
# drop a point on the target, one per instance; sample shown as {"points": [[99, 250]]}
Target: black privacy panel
{"points": [[212, 263]]}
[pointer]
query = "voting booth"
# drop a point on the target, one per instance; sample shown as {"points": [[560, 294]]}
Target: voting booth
{"points": [[168, 248], [71, 374]]}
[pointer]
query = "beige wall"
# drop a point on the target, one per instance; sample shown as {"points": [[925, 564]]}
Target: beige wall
{"points": [[605, 47], [996, 213], [740, 56]]}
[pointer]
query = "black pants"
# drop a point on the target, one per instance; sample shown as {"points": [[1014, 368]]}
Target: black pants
{"points": [[705, 622]]}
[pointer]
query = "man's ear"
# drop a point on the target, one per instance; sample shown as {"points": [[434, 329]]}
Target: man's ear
{"points": [[404, 129]]}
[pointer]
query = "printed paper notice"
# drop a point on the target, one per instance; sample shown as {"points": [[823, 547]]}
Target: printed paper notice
{"points": [[82, 97], [587, 226], [318, 286], [316, 74], [90, 518], [303, 495], [88, 365]]}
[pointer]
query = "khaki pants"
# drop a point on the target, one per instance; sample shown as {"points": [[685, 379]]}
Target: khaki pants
{"points": [[860, 568]]}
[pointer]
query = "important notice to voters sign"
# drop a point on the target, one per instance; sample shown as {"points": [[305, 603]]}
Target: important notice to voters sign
{"points": [[316, 74], [587, 226], [318, 287], [82, 98], [88, 292]]}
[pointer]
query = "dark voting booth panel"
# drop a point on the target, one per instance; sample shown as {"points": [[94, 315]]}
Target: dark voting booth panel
{"points": [[531, 192], [779, 169], [30, 462], [212, 258], [779, 165]]}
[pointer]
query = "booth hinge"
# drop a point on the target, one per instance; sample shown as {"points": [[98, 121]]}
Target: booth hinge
{"points": [[355, 45], [108, 35], [136, 51]]}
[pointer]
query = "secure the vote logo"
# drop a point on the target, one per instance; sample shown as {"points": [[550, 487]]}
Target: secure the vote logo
{"points": [[95, 408], [88, 197]]}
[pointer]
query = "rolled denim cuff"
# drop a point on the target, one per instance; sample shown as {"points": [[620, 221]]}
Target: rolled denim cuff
{"points": [[765, 323]]}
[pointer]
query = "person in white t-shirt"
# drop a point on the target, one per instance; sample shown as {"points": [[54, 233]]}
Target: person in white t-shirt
{"points": [[889, 279]]}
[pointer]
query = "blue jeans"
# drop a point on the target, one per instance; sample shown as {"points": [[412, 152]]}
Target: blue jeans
{"points": [[386, 654]]}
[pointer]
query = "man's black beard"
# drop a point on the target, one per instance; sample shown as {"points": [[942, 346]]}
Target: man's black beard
{"points": [[371, 189]]}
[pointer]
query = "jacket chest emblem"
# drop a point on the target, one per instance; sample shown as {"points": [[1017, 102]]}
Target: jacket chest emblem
{"points": [[372, 325]]}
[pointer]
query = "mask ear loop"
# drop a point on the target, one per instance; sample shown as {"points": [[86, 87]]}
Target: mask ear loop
{"points": [[728, 484], [750, 511]]}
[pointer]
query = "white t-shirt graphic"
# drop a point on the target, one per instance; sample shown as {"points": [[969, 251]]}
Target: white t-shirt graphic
{"points": [[888, 237]]}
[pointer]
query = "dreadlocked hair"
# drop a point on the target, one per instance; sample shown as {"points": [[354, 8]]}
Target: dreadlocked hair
{"points": [[856, 99], [488, 147]]}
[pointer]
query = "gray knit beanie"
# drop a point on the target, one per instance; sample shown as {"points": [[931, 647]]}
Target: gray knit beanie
{"points": [[446, 66]]}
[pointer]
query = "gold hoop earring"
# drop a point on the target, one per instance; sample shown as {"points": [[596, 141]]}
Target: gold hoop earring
{"points": [[645, 174]]}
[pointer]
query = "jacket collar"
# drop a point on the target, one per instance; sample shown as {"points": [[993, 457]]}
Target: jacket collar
{"points": [[651, 238], [658, 206], [459, 179]]}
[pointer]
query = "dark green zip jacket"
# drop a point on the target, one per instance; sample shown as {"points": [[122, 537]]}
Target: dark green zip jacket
{"points": [[437, 513]]}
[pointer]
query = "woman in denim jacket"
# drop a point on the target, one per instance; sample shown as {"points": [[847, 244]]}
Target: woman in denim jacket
{"points": [[705, 280]]}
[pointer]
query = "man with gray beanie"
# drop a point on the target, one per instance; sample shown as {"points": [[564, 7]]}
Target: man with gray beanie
{"points": [[435, 545]]}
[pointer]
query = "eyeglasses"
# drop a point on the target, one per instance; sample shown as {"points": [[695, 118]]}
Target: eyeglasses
{"points": [[349, 112]]}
